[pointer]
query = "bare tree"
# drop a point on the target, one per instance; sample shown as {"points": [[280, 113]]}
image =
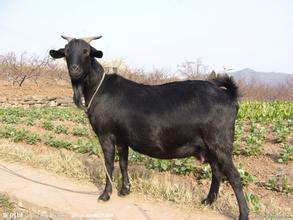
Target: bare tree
{"points": [[18, 70], [56, 71], [193, 69]]}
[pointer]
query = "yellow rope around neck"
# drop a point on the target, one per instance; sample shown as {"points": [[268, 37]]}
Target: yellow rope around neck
{"points": [[97, 89], [86, 110]]}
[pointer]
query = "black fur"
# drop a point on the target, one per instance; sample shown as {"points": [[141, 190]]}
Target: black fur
{"points": [[173, 120]]}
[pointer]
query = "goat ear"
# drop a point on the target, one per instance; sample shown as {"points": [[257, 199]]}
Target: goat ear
{"points": [[96, 53], [56, 54]]}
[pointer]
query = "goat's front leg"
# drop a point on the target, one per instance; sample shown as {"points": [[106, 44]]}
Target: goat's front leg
{"points": [[123, 163], [109, 153]]}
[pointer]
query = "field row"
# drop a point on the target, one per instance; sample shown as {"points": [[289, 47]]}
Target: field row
{"points": [[90, 145], [255, 111], [257, 125]]}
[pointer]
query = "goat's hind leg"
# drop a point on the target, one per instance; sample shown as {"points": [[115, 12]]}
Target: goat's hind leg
{"points": [[215, 185], [123, 163], [234, 179]]}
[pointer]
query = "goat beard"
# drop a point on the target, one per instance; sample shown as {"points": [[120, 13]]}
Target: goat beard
{"points": [[77, 87]]}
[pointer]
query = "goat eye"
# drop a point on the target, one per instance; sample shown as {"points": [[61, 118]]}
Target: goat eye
{"points": [[85, 52]]}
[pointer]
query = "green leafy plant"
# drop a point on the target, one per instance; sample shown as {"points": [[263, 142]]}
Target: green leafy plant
{"points": [[79, 146], [30, 121], [61, 129], [47, 125], [239, 131], [237, 150], [246, 177], [93, 146], [254, 140], [286, 154], [282, 130], [19, 135], [253, 201], [32, 138], [135, 156], [183, 166], [85, 147], [7, 132], [80, 131], [265, 111], [10, 119], [280, 184], [5, 204], [160, 165], [54, 142], [205, 172]]}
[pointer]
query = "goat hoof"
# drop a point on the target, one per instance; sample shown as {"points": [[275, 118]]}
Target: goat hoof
{"points": [[207, 201], [124, 191], [104, 197], [241, 217]]}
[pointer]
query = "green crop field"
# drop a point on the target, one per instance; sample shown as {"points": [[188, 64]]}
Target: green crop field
{"points": [[263, 130]]}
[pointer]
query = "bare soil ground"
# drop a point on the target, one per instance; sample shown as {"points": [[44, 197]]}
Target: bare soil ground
{"points": [[47, 88]]}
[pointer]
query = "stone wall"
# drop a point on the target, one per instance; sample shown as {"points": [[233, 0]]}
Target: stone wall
{"points": [[36, 101]]}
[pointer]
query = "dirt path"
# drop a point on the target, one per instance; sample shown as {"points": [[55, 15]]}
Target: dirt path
{"points": [[49, 195]]}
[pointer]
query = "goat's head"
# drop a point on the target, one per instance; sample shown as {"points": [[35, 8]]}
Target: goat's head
{"points": [[78, 54]]}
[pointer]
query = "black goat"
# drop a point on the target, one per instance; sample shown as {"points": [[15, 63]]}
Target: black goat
{"points": [[173, 120]]}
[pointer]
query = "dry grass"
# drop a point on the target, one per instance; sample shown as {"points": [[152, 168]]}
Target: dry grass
{"points": [[61, 162], [182, 190], [263, 92]]}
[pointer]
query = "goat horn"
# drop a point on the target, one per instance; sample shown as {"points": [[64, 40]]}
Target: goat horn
{"points": [[89, 39], [67, 38]]}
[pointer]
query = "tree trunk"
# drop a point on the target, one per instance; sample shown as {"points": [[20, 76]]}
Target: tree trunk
{"points": [[22, 80]]}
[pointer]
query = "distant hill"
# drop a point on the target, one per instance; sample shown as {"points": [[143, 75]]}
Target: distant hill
{"points": [[270, 78]]}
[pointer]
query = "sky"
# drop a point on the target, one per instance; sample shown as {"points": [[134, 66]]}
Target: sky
{"points": [[161, 34]]}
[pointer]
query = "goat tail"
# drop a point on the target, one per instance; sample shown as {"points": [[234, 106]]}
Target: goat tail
{"points": [[227, 82]]}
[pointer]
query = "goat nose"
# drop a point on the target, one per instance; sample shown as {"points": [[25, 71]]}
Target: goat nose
{"points": [[74, 68]]}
